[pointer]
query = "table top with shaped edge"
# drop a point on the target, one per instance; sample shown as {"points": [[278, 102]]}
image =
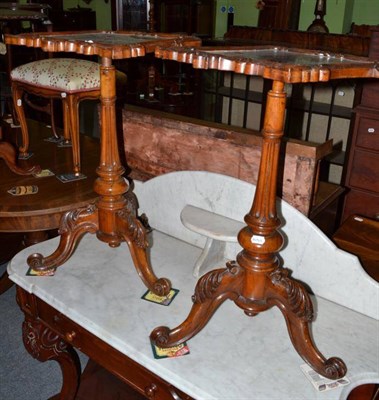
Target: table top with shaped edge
{"points": [[110, 44], [285, 64]]}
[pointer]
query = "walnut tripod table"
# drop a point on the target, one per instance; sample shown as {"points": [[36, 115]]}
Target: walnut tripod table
{"points": [[256, 281], [113, 217]]}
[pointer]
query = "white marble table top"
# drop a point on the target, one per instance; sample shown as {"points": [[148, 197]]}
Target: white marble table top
{"points": [[234, 357]]}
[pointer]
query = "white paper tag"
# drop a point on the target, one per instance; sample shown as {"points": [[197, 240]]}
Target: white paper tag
{"points": [[319, 382], [257, 239]]}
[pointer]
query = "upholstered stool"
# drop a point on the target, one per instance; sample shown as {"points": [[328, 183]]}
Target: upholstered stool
{"points": [[69, 79]]}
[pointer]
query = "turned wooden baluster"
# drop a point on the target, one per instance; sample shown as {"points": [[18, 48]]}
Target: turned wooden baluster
{"points": [[318, 24], [113, 218], [256, 282]]}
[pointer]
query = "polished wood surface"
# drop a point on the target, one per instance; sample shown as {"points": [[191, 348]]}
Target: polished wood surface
{"points": [[360, 236], [9, 154], [337, 43], [361, 172], [114, 45], [288, 65], [43, 210], [36, 215], [256, 281], [113, 218], [50, 335]]}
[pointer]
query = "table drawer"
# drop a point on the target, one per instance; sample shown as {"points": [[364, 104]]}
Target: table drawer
{"points": [[362, 203], [69, 331], [368, 133], [365, 171], [121, 366]]}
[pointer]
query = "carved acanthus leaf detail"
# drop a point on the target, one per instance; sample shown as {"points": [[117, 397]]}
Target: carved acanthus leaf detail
{"points": [[136, 230], [298, 298], [69, 220], [208, 284]]}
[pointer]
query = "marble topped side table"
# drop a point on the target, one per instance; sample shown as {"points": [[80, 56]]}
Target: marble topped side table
{"points": [[85, 307], [256, 281]]}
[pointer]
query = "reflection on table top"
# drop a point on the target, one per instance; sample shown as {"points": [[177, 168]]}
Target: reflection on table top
{"points": [[24, 213], [110, 44], [279, 63]]}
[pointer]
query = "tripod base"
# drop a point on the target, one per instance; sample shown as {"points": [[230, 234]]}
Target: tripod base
{"points": [[129, 229], [278, 290]]}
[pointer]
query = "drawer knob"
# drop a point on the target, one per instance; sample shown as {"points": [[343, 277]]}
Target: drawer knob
{"points": [[150, 390], [70, 336], [371, 130]]}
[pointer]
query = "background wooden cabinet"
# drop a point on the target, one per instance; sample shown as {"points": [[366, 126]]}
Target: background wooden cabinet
{"points": [[73, 19], [189, 16], [129, 15], [362, 168]]}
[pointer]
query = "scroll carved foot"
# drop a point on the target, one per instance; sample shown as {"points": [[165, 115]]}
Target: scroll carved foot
{"points": [[135, 236], [296, 306], [73, 226], [44, 345], [8, 154], [211, 291]]}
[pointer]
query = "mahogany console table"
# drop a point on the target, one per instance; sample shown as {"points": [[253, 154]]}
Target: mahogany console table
{"points": [[256, 281], [113, 217]]}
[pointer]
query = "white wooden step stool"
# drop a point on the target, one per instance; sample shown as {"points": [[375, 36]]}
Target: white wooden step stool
{"points": [[216, 228]]}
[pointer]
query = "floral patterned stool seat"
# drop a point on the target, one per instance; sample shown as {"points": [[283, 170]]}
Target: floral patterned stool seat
{"points": [[69, 79]]}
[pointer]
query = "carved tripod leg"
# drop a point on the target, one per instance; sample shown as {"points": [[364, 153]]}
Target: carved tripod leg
{"points": [[8, 154], [211, 291], [134, 233], [74, 225], [45, 345], [295, 304]]}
